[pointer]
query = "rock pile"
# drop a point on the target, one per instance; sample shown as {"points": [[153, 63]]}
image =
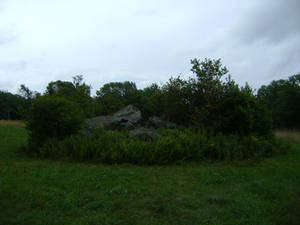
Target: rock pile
{"points": [[129, 118]]}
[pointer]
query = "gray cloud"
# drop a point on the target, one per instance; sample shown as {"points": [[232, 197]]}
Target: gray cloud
{"points": [[270, 21], [263, 43], [145, 41]]}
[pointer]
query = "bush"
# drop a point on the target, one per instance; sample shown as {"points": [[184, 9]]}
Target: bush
{"points": [[52, 118], [175, 145]]}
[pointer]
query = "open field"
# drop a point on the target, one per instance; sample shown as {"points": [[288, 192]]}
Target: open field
{"points": [[11, 123], [288, 135], [38, 191]]}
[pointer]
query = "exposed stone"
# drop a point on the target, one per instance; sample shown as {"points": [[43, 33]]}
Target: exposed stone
{"points": [[129, 113], [157, 122], [126, 118], [127, 125], [144, 134]]}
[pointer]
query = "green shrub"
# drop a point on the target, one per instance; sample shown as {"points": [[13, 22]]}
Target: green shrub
{"points": [[52, 118], [174, 145]]}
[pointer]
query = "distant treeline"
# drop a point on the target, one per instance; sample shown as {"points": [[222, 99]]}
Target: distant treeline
{"points": [[208, 99]]}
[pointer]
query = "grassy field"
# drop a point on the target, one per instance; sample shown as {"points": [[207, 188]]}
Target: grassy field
{"points": [[288, 135], [11, 123], [37, 191]]}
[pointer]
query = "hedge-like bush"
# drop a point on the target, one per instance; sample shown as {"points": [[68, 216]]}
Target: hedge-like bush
{"points": [[52, 118]]}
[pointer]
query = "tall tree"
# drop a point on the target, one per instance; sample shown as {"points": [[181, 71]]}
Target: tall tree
{"points": [[76, 91], [283, 98], [115, 95], [11, 106]]}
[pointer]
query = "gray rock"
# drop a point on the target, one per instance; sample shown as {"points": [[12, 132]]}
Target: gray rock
{"points": [[157, 122], [95, 122], [129, 113], [124, 125], [126, 118], [144, 134]]}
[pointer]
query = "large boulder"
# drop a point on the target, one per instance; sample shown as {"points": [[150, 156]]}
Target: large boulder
{"points": [[144, 134], [126, 118], [157, 122], [129, 113]]}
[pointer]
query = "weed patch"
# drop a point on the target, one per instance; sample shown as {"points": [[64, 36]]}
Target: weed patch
{"points": [[173, 146]]}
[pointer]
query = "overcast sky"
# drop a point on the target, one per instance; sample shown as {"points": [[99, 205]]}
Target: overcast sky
{"points": [[145, 41]]}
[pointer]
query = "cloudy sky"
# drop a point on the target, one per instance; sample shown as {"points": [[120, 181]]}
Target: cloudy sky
{"points": [[145, 41]]}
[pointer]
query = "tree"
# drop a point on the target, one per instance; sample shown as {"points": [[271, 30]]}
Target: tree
{"points": [[283, 97], [237, 110], [207, 100], [208, 81], [28, 96], [25, 92], [178, 94], [76, 91], [208, 91], [153, 101], [11, 105], [115, 95]]}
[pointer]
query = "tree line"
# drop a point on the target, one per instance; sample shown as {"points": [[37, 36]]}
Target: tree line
{"points": [[210, 98]]}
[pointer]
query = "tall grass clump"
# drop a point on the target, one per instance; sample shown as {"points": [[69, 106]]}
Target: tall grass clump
{"points": [[173, 146]]}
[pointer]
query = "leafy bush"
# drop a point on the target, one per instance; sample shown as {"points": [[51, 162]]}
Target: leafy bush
{"points": [[175, 145], [52, 118]]}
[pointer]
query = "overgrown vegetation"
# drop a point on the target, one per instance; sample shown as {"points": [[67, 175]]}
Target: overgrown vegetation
{"points": [[283, 98], [174, 146], [52, 118], [215, 112]]}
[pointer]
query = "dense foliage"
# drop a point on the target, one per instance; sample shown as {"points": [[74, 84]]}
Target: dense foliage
{"points": [[115, 95], [173, 146], [76, 91], [52, 118], [11, 106], [210, 98], [207, 100], [283, 98]]}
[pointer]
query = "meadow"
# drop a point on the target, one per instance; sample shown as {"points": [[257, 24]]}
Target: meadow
{"points": [[47, 192], [291, 135], [12, 123]]}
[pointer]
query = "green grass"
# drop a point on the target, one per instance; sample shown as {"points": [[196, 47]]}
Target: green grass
{"points": [[39, 191]]}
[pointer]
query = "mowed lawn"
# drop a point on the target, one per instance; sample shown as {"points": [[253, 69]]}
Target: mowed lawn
{"points": [[39, 191]]}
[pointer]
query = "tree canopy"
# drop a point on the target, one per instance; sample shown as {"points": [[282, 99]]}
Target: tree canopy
{"points": [[283, 98], [208, 98]]}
